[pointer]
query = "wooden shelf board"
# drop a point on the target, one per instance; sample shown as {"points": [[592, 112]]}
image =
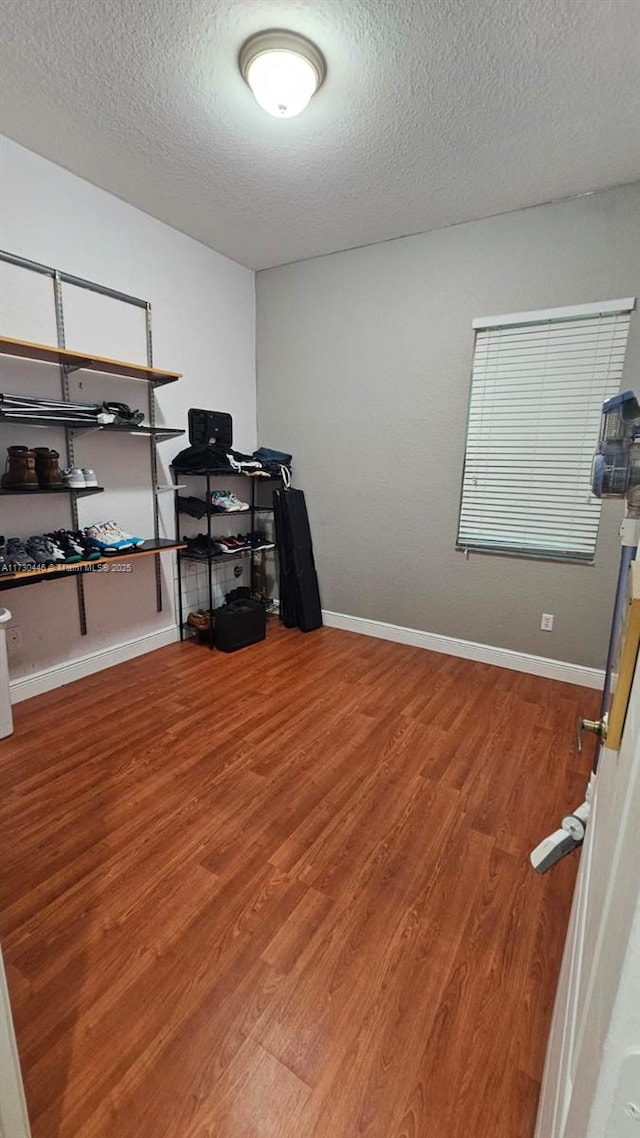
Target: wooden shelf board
{"points": [[149, 548], [48, 353]]}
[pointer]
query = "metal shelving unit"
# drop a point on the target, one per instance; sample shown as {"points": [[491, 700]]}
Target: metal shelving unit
{"points": [[81, 491], [215, 559], [69, 361]]}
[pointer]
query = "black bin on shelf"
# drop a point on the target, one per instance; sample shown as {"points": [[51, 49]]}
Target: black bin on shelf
{"points": [[239, 624]]}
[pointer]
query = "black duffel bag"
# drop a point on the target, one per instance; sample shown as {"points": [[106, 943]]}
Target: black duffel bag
{"points": [[239, 624]]}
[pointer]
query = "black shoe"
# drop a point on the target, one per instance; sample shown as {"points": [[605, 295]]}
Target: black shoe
{"points": [[199, 545], [64, 541], [87, 552]]}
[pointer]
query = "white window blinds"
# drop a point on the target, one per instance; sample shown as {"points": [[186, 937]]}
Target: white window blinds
{"points": [[538, 383]]}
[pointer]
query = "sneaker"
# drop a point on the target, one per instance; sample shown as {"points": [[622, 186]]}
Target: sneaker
{"points": [[89, 552], [236, 504], [233, 544], [74, 542], [200, 545], [122, 535], [70, 551], [56, 547], [89, 476], [73, 477], [18, 558], [224, 502], [43, 550], [105, 539], [218, 501]]}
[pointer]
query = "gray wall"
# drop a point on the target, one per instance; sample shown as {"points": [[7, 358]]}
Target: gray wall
{"points": [[363, 374]]}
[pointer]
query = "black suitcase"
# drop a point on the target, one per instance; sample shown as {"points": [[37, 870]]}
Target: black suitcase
{"points": [[239, 624]]}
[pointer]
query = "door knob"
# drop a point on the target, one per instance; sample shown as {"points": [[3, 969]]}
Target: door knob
{"points": [[595, 726]]}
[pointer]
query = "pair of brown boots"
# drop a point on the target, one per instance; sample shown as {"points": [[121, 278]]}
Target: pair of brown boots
{"points": [[35, 469]]}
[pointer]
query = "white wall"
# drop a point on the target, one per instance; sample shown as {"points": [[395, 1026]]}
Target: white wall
{"points": [[364, 359], [203, 325]]}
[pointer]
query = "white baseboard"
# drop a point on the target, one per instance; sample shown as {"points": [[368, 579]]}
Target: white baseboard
{"points": [[38, 682], [469, 650]]}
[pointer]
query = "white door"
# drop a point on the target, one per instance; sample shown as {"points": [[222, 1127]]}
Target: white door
{"points": [[583, 1080], [13, 1112]]}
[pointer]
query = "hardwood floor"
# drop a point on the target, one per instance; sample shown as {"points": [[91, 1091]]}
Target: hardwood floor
{"points": [[286, 893]]}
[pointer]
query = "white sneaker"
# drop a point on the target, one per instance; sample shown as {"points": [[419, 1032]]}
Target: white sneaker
{"points": [[234, 504], [74, 477], [121, 535], [89, 476]]}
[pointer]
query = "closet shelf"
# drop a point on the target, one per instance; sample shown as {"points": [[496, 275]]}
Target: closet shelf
{"points": [[227, 472], [75, 361], [84, 426], [81, 491], [208, 558], [57, 572]]}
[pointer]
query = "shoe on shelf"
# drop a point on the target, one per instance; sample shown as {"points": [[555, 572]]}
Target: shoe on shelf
{"points": [[122, 535], [198, 544], [256, 540], [218, 501], [69, 550], [44, 551], [73, 477], [234, 544], [4, 568], [104, 538], [73, 543], [89, 552], [47, 469], [236, 504], [20, 470], [17, 555], [224, 502], [89, 476]]}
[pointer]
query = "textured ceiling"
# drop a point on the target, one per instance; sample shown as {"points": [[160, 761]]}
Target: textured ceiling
{"points": [[434, 111]]}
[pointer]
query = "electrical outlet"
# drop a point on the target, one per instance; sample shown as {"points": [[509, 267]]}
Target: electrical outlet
{"points": [[14, 637], [546, 623]]}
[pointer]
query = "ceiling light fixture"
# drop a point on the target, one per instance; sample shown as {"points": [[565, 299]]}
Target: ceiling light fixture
{"points": [[284, 70]]}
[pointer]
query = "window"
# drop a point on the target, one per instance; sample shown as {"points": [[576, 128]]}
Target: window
{"points": [[538, 383]]}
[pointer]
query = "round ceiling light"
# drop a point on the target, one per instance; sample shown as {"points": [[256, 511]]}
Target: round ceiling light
{"points": [[283, 69]]}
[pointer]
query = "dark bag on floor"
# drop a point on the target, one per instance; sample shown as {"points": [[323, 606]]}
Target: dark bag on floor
{"points": [[239, 624]]}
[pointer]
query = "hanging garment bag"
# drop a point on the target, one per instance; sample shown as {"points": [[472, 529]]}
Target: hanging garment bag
{"points": [[288, 612], [299, 560]]}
